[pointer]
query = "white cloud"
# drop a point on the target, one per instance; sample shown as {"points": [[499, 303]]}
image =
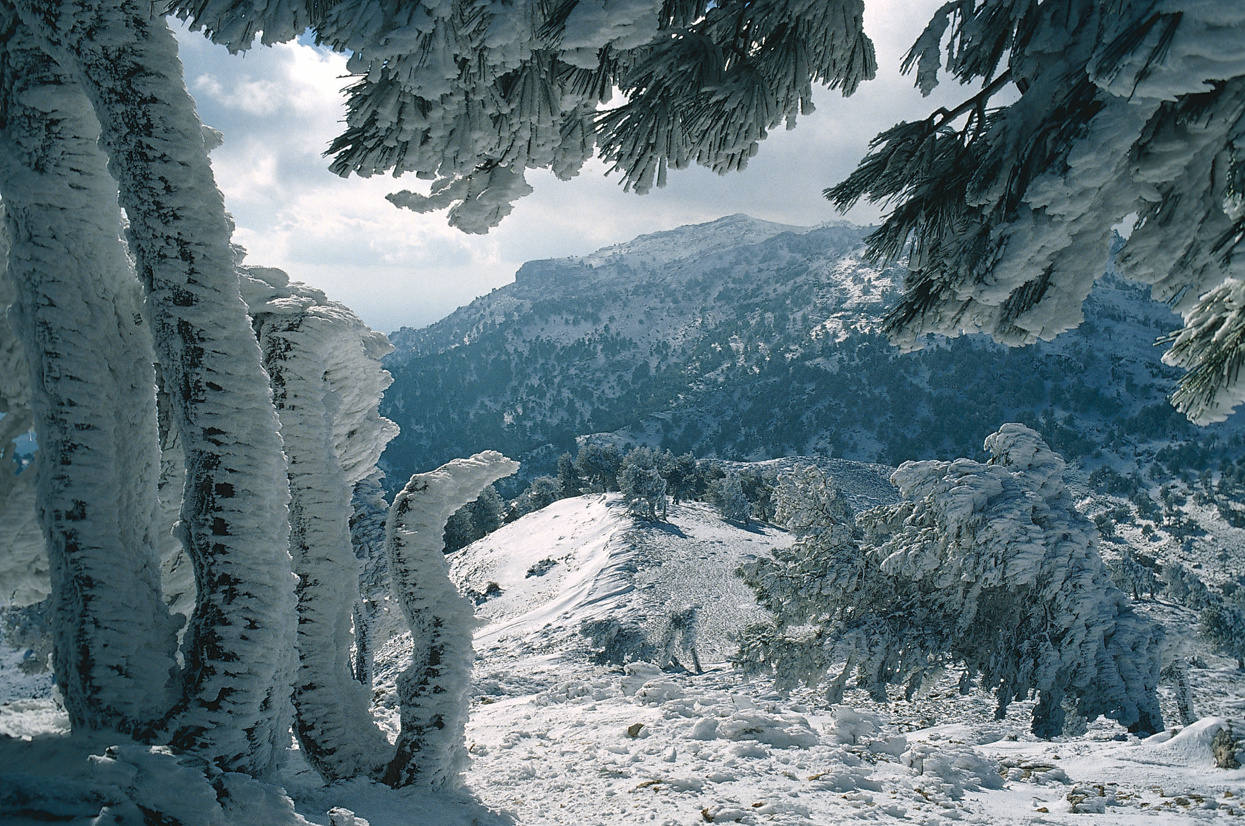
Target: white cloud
{"points": [[279, 108]]}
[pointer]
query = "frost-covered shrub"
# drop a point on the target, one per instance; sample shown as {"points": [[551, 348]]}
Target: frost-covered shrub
{"points": [[727, 495], [642, 485], [1223, 623], [614, 643], [984, 566]]}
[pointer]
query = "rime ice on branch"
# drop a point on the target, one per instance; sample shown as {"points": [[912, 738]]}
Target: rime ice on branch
{"points": [[432, 691], [77, 321], [472, 93], [324, 364], [987, 567], [1121, 108], [233, 523]]}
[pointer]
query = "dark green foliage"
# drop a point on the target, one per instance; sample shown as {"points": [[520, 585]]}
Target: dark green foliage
{"points": [[570, 483], [543, 491], [727, 495], [599, 465], [1223, 623], [474, 520]]}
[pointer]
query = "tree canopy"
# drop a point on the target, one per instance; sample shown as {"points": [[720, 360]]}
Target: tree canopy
{"points": [[1089, 114]]}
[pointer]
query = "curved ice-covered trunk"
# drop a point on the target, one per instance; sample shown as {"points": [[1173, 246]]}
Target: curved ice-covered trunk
{"points": [[367, 534], [92, 389], [323, 378], [234, 520], [432, 691]]}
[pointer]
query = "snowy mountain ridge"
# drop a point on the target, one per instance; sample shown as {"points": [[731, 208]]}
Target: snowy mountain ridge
{"points": [[745, 339]]}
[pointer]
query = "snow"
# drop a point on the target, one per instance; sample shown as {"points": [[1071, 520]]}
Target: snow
{"points": [[556, 738]]}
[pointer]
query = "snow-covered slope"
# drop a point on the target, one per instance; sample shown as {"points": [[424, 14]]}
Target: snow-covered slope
{"points": [[557, 736], [560, 735], [584, 562]]}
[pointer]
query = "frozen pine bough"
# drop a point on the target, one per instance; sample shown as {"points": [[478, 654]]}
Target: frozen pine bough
{"points": [[986, 567], [473, 94], [1113, 111]]}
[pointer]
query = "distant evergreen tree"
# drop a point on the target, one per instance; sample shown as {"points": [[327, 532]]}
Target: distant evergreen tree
{"points": [[681, 477], [758, 488], [570, 483], [460, 529], [487, 511], [541, 493], [1223, 623], [642, 485], [985, 566], [599, 465], [727, 495]]}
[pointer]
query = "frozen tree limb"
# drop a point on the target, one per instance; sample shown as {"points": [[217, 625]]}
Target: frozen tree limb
{"points": [[327, 381], [234, 520], [432, 691]]}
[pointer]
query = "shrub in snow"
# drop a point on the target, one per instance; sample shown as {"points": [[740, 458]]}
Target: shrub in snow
{"points": [[727, 494], [986, 566], [642, 485], [1223, 623], [613, 643]]}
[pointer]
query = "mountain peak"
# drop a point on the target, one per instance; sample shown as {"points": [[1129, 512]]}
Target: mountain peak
{"points": [[696, 239]]}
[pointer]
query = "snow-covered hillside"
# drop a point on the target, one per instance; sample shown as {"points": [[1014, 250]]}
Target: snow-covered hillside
{"points": [[567, 729], [557, 738], [744, 339]]}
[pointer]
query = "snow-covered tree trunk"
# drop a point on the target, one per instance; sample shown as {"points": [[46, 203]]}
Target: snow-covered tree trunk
{"points": [[77, 313], [432, 691], [233, 518], [369, 510], [24, 576], [327, 382]]}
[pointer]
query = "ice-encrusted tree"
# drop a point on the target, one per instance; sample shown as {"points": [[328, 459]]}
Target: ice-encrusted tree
{"points": [[117, 62], [80, 77], [324, 364], [727, 494], [1089, 112], [78, 335], [642, 485], [987, 567], [432, 690], [472, 93]]}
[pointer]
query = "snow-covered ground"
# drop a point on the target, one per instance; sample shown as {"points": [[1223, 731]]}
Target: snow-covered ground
{"points": [[557, 739], [562, 733]]}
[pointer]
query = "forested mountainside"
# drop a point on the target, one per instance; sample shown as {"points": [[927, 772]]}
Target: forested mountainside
{"points": [[745, 339]]}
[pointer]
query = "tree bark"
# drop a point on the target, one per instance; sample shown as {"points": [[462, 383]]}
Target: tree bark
{"points": [[234, 520], [77, 313]]}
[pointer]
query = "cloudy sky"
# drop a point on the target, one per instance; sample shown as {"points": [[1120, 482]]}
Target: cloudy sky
{"points": [[279, 108]]}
